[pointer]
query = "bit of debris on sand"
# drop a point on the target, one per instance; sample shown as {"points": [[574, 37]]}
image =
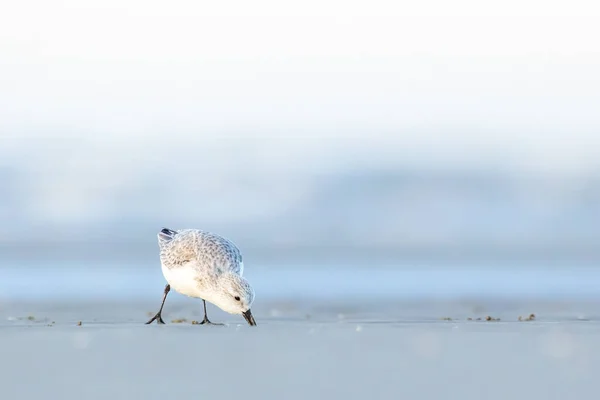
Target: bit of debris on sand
{"points": [[488, 318], [531, 317]]}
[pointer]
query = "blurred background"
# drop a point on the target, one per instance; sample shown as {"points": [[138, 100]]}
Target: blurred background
{"points": [[369, 149]]}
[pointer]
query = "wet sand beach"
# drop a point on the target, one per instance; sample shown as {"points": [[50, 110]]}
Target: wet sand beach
{"points": [[411, 350]]}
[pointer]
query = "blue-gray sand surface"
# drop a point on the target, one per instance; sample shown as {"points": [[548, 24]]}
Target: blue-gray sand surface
{"points": [[399, 350]]}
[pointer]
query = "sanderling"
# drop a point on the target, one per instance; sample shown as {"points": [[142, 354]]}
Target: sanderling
{"points": [[207, 266]]}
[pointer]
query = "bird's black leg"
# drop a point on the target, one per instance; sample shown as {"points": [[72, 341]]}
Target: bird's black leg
{"points": [[158, 317], [206, 320]]}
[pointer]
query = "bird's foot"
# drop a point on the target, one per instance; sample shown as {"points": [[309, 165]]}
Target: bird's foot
{"points": [[206, 321], [158, 319]]}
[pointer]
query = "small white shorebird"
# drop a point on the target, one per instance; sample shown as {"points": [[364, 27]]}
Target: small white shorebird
{"points": [[207, 266]]}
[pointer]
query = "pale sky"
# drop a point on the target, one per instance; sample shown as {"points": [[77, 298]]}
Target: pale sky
{"points": [[515, 82]]}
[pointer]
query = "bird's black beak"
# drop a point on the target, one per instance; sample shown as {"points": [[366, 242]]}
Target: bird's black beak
{"points": [[249, 318]]}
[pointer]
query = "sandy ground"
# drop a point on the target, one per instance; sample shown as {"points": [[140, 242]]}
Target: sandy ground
{"points": [[391, 350]]}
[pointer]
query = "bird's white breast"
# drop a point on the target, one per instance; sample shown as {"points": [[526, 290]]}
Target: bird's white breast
{"points": [[184, 280]]}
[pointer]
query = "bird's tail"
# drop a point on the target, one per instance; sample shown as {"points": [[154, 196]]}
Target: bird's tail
{"points": [[166, 234]]}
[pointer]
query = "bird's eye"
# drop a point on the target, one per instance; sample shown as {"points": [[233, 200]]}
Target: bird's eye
{"points": [[237, 298]]}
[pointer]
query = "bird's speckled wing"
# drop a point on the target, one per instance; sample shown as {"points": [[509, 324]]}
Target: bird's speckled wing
{"points": [[210, 252], [177, 249], [220, 253]]}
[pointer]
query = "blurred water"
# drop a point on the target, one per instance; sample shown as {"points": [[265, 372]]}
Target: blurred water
{"points": [[314, 282], [364, 234]]}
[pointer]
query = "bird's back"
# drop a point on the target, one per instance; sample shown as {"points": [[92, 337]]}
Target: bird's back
{"points": [[209, 252]]}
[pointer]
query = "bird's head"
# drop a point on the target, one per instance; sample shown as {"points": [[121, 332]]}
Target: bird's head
{"points": [[236, 296]]}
